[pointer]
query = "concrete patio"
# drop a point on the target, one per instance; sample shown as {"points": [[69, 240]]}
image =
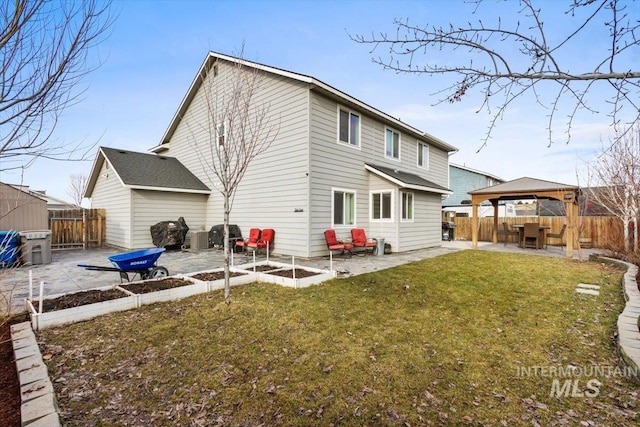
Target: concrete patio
{"points": [[63, 274]]}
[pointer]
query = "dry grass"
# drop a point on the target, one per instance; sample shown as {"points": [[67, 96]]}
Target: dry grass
{"points": [[434, 342]]}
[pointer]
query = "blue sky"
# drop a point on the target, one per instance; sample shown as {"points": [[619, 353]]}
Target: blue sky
{"points": [[156, 47]]}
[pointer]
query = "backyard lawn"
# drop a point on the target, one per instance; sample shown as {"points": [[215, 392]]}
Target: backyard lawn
{"points": [[469, 338]]}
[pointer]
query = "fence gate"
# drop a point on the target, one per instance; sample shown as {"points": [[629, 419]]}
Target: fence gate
{"points": [[77, 228]]}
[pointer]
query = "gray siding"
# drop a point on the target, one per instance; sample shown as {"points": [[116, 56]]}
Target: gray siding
{"points": [[151, 207], [110, 195], [334, 165], [276, 183]]}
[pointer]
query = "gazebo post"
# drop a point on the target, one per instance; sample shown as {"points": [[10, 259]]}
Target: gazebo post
{"points": [[571, 223], [474, 224], [494, 235]]}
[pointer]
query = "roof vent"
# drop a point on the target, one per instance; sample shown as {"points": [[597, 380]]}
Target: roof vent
{"points": [[396, 171]]}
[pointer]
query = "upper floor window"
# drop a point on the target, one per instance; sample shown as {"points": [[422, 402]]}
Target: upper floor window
{"points": [[381, 205], [344, 207], [221, 133], [349, 127], [423, 155], [392, 144], [407, 206]]}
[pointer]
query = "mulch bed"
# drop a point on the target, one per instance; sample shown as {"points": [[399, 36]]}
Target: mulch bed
{"points": [[9, 385], [277, 271], [215, 275], [79, 298], [300, 273], [263, 268], [156, 285]]}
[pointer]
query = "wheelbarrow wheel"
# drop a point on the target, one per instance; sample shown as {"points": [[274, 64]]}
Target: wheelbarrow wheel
{"points": [[158, 272]]}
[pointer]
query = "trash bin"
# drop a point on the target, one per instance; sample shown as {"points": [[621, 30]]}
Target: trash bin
{"points": [[36, 247], [9, 248], [448, 229], [380, 248]]}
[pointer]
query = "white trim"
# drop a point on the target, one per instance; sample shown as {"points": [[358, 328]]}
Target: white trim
{"points": [[355, 207], [392, 207], [169, 189], [399, 158], [350, 112], [413, 206], [402, 184], [418, 146]]}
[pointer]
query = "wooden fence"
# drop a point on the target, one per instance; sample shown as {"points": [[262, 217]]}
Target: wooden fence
{"points": [[77, 228], [603, 231]]}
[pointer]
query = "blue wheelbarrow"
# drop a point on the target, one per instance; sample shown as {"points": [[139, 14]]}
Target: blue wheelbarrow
{"points": [[141, 262]]}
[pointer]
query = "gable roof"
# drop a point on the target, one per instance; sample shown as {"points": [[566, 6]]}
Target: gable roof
{"points": [[313, 83], [524, 185], [145, 171], [406, 179]]}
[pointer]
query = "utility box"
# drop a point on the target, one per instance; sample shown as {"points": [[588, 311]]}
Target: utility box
{"points": [[36, 247], [199, 240]]}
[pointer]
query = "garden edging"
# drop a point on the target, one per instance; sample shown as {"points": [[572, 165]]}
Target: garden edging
{"points": [[39, 406], [628, 328]]}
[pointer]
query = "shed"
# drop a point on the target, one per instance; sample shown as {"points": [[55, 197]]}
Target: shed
{"points": [[20, 210]]}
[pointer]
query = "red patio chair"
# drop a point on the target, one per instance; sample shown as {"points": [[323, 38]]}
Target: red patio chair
{"points": [[333, 244], [265, 241], [360, 240], [254, 236]]}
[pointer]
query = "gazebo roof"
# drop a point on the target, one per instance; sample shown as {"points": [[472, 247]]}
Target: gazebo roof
{"points": [[524, 185]]}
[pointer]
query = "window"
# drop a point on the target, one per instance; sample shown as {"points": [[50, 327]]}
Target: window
{"points": [[392, 144], [423, 155], [381, 205], [221, 134], [349, 128], [407, 206], [344, 207]]}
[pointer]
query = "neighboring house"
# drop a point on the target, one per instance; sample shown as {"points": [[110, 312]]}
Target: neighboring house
{"points": [[53, 203], [21, 210], [336, 163], [463, 179]]}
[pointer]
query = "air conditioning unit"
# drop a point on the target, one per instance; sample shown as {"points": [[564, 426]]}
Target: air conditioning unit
{"points": [[199, 240]]}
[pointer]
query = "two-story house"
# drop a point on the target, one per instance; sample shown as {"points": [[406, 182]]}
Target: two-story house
{"points": [[336, 163]]}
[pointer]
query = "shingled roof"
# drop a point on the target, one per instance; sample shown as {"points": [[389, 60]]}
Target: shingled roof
{"points": [[147, 171], [406, 179]]}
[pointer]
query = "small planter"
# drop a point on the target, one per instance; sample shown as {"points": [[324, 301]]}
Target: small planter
{"points": [[145, 297], [237, 277], [48, 319], [279, 274]]}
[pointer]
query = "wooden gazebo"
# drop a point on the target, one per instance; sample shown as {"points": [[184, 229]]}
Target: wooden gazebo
{"points": [[526, 188]]}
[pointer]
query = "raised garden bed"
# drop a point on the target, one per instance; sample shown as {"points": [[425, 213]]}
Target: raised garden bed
{"points": [[164, 289], [78, 306], [215, 278], [282, 274]]}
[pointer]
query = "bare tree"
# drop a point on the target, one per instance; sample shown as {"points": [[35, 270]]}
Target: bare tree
{"points": [[617, 171], [519, 55], [238, 127], [43, 47], [76, 188]]}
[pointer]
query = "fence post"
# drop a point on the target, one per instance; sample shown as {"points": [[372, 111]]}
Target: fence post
{"points": [[84, 229]]}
